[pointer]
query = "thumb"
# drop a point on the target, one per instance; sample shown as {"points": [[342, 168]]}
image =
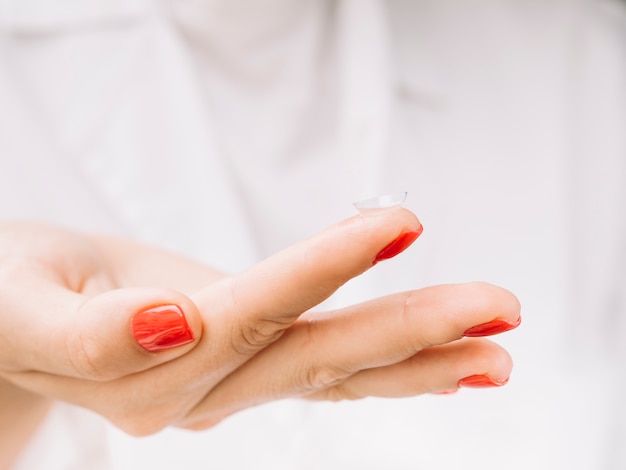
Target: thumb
{"points": [[125, 331], [104, 337]]}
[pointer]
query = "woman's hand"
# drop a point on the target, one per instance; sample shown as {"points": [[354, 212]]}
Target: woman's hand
{"points": [[148, 339]]}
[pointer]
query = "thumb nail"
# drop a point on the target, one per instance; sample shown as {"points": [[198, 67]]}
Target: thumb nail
{"points": [[161, 327]]}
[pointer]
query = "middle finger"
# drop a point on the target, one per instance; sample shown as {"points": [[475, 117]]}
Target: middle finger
{"points": [[322, 350]]}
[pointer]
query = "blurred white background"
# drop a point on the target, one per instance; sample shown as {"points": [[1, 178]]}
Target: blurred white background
{"points": [[505, 120]]}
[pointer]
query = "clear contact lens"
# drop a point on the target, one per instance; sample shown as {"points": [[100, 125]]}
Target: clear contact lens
{"points": [[381, 202]]}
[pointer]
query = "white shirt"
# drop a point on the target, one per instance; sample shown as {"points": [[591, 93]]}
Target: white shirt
{"points": [[504, 120]]}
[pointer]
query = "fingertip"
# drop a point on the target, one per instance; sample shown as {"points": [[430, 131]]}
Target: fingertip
{"points": [[129, 330], [481, 381], [487, 309], [492, 327], [407, 228], [399, 244], [470, 363], [390, 230], [491, 365]]}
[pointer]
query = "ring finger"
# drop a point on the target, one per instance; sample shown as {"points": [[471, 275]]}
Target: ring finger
{"points": [[321, 351]]}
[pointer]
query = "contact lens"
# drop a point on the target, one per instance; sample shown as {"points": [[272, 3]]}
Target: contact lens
{"points": [[381, 202]]}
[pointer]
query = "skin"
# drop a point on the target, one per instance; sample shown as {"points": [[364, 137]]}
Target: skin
{"points": [[67, 299]]}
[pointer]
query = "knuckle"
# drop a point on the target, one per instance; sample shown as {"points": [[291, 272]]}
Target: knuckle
{"points": [[88, 358], [416, 339], [341, 392], [251, 334], [316, 376], [256, 334], [321, 376]]}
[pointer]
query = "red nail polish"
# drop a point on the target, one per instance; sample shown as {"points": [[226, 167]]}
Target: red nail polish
{"points": [[493, 327], [481, 381], [161, 327], [401, 243]]}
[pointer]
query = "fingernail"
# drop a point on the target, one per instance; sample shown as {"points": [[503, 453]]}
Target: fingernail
{"points": [[400, 244], [161, 327], [385, 201], [481, 381], [492, 327]]}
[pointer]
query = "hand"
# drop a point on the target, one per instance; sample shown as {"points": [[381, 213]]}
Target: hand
{"points": [[69, 303]]}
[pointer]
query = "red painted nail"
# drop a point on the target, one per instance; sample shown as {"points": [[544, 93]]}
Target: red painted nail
{"points": [[401, 243], [492, 328], [161, 327], [481, 381]]}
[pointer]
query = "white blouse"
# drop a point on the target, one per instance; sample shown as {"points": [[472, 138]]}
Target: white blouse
{"points": [[504, 121]]}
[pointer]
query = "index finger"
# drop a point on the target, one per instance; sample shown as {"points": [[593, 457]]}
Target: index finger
{"points": [[252, 309]]}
